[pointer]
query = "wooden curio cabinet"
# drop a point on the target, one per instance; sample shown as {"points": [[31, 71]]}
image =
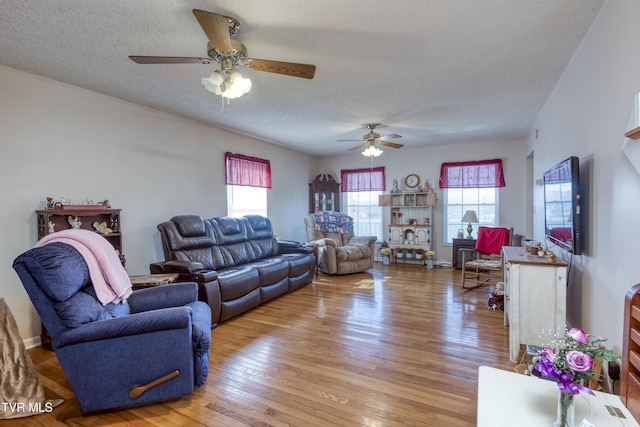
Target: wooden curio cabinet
{"points": [[324, 194], [51, 220]]}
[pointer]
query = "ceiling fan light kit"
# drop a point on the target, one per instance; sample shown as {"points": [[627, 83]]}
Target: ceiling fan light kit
{"points": [[371, 140], [372, 150], [228, 82]]}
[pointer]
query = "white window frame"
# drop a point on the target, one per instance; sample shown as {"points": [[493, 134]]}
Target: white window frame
{"points": [[245, 200], [488, 213], [363, 206]]}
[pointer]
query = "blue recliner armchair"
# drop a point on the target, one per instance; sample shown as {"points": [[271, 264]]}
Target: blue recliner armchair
{"points": [[152, 347]]}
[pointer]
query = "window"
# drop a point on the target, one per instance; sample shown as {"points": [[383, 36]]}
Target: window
{"points": [[243, 200], [248, 179], [459, 200], [363, 186], [363, 207], [470, 186]]}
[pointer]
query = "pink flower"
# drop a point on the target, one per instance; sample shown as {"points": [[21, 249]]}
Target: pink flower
{"points": [[579, 361], [550, 354], [578, 335]]}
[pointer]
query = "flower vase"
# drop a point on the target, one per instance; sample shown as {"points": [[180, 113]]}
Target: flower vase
{"points": [[429, 263], [385, 260], [566, 411]]}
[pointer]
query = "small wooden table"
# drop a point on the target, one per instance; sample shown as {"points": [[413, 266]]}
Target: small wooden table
{"points": [[458, 245], [315, 255], [152, 280]]}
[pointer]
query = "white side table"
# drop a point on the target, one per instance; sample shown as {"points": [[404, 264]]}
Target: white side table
{"points": [[510, 399]]}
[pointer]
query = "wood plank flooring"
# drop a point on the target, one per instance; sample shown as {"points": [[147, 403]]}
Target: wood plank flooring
{"points": [[398, 345]]}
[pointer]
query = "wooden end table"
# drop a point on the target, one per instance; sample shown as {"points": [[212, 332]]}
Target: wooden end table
{"points": [[152, 280]]}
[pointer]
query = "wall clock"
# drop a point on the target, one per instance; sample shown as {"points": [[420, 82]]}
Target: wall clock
{"points": [[412, 180]]}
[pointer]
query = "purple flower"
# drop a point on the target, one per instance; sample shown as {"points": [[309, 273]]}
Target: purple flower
{"points": [[578, 335], [579, 361]]}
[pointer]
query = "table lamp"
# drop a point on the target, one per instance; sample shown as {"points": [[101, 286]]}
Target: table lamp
{"points": [[469, 217]]}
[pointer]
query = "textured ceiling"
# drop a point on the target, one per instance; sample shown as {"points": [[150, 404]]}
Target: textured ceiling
{"points": [[433, 71]]}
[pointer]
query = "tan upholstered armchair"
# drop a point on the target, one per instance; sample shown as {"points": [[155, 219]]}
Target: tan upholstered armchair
{"points": [[339, 251]]}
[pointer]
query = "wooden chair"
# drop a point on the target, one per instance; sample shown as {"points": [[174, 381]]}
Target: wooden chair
{"points": [[487, 267], [597, 367]]}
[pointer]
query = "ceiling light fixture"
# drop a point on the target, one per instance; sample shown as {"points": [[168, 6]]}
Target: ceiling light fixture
{"points": [[227, 82], [372, 150]]}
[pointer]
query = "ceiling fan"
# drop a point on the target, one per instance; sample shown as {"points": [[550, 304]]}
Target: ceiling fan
{"points": [[224, 49], [372, 139]]}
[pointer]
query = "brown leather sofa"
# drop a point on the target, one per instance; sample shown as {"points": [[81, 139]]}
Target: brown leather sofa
{"points": [[237, 262]]}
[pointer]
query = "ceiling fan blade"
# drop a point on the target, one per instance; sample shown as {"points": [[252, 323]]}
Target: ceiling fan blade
{"points": [[216, 28], [350, 140], [391, 136], [306, 71], [390, 144], [358, 147], [168, 60]]}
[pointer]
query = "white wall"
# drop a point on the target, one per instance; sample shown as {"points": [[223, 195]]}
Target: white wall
{"points": [[59, 140], [586, 116], [426, 163]]}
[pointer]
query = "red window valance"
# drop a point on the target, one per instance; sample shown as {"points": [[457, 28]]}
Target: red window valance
{"points": [[473, 174], [371, 179], [248, 171]]}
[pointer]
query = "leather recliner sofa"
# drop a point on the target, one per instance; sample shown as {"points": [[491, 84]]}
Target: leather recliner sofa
{"points": [[237, 262]]}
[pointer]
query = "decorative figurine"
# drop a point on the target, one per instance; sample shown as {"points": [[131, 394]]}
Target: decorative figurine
{"points": [[394, 188], [101, 228], [52, 227], [74, 221], [114, 222], [50, 202]]}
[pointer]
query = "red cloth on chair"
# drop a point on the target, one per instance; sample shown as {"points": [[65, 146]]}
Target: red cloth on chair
{"points": [[491, 240]]}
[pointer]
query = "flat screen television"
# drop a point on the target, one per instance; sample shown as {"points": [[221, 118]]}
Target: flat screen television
{"points": [[562, 210]]}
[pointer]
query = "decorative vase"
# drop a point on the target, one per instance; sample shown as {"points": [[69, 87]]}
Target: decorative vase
{"points": [[385, 260], [429, 263], [566, 411]]}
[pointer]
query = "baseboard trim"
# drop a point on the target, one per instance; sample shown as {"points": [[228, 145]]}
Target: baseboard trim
{"points": [[32, 342]]}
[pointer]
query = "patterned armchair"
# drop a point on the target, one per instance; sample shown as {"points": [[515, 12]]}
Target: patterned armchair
{"points": [[339, 251]]}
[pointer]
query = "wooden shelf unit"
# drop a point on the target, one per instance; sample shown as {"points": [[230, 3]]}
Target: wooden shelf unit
{"points": [[410, 228], [60, 220], [630, 378]]}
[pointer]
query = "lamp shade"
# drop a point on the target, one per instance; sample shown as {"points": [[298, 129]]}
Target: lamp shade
{"points": [[372, 151], [227, 83], [470, 216]]}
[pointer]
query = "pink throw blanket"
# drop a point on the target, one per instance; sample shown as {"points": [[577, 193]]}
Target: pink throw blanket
{"points": [[110, 281], [492, 239]]}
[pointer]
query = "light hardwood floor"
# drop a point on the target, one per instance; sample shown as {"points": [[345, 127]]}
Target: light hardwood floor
{"points": [[398, 345]]}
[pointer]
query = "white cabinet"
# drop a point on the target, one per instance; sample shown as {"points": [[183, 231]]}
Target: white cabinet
{"points": [[535, 298], [410, 228]]}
